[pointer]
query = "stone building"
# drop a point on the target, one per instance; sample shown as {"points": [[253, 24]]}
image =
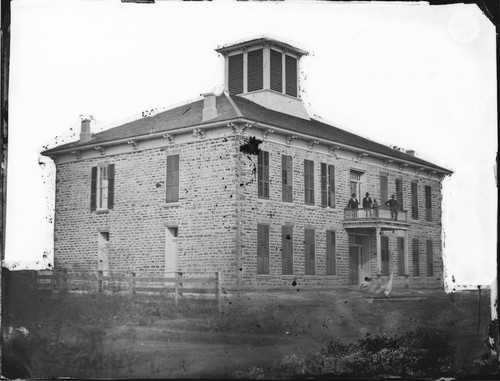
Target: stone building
{"points": [[248, 184]]}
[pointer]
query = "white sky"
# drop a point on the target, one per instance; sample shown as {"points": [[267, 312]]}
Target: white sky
{"points": [[417, 76]]}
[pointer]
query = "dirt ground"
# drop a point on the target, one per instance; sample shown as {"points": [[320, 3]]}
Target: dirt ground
{"points": [[153, 339]]}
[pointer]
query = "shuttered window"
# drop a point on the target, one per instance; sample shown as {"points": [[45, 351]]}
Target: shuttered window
{"points": [[287, 250], [276, 71], [331, 265], [255, 72], [263, 174], [235, 74], [384, 192], [102, 187], [310, 262], [401, 256], [287, 178], [416, 257], [385, 255], [172, 178], [428, 203], [414, 201], [430, 258], [327, 185], [309, 182], [291, 76], [399, 193], [262, 249]]}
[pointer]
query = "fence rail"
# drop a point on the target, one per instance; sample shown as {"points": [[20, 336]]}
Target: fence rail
{"points": [[177, 284], [374, 214]]}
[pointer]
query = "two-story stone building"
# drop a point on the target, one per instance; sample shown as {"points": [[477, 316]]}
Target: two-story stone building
{"points": [[246, 183]]}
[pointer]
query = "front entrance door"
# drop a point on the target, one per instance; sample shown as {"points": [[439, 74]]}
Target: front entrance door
{"points": [[103, 253], [171, 250], [359, 260], [354, 264]]}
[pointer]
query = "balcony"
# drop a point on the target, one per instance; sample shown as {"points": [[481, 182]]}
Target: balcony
{"points": [[375, 218]]}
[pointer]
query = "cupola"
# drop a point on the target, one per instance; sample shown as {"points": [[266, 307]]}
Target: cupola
{"points": [[265, 71]]}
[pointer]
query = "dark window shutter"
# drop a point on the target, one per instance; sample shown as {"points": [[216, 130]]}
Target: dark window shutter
{"points": [[399, 193], [287, 178], [291, 76], [309, 182], [428, 203], [384, 191], [324, 193], [309, 252], [331, 267], [385, 255], [276, 71], [263, 174], [331, 186], [255, 72], [416, 257], [401, 256], [287, 250], [262, 249], [93, 189], [111, 186], [172, 186], [430, 259], [414, 201], [235, 74]]}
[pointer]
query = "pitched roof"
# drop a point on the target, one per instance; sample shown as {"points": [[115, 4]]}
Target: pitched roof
{"points": [[191, 115]]}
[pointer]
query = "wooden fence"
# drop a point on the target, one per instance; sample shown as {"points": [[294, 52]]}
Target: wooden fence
{"points": [[178, 284]]}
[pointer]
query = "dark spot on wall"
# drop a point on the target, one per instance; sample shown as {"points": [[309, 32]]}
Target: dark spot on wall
{"points": [[294, 283], [251, 146], [158, 185]]}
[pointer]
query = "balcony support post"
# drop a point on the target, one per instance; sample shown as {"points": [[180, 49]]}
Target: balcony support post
{"points": [[379, 250]]}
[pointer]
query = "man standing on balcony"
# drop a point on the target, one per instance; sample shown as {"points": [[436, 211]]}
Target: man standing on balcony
{"points": [[367, 204], [393, 206], [353, 202]]}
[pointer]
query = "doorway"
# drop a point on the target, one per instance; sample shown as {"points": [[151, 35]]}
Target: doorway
{"points": [[103, 253], [171, 234], [359, 260]]}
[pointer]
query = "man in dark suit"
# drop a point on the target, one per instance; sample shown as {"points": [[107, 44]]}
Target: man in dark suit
{"points": [[353, 202], [393, 206], [367, 204]]}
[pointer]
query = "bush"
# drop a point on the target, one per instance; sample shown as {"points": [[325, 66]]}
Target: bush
{"points": [[420, 352]]}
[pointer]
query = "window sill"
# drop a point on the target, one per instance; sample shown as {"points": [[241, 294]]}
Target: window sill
{"points": [[263, 275], [102, 211], [308, 206], [171, 204]]}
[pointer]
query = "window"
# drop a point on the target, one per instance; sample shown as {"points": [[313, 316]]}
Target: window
{"points": [[262, 249], [287, 178], [309, 182], [384, 192], [331, 266], [276, 71], [430, 259], [327, 185], [428, 203], [309, 252], [399, 193], [172, 178], [235, 74], [291, 75], [287, 250], [401, 256], [355, 180], [416, 257], [385, 255], [263, 174], [102, 187], [255, 74], [414, 201]]}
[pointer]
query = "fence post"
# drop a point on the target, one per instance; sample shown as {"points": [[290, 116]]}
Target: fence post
{"points": [[99, 281], [176, 288], [217, 291], [132, 283]]}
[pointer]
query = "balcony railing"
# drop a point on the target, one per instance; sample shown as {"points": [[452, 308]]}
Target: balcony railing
{"points": [[373, 214]]}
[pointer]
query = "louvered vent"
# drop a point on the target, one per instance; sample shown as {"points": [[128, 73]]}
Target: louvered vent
{"points": [[255, 70], [276, 71], [291, 76], [235, 74]]}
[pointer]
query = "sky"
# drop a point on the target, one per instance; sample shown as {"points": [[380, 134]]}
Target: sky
{"points": [[416, 76]]}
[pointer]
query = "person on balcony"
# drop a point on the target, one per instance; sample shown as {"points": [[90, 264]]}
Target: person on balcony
{"points": [[367, 204], [353, 202], [393, 207]]}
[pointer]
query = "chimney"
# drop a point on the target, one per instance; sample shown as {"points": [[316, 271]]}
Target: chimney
{"points": [[410, 152], [209, 108], [85, 134]]}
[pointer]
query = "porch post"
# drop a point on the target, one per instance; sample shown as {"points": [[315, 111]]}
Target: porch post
{"points": [[379, 250], [406, 253]]}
